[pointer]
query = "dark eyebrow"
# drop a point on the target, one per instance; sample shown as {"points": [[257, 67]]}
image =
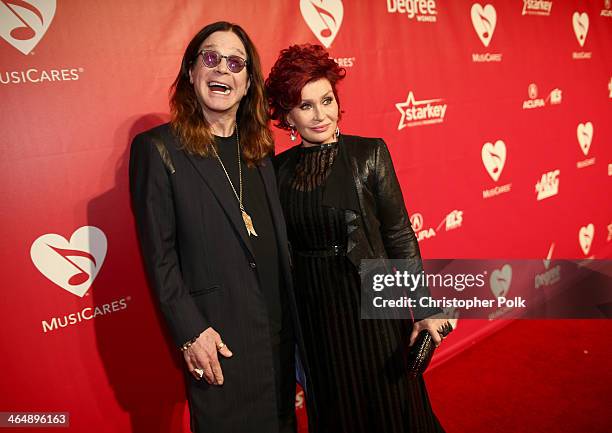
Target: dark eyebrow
{"points": [[324, 96], [208, 47]]}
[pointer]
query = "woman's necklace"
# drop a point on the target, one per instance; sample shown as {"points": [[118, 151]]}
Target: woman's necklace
{"points": [[248, 222]]}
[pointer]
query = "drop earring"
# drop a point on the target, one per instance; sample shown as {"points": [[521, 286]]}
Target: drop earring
{"points": [[293, 133], [337, 133]]}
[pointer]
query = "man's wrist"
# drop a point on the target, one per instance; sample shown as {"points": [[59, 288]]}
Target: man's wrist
{"points": [[188, 344]]}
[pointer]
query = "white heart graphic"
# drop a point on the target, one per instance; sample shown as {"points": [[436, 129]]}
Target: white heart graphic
{"points": [[484, 20], [73, 265], [581, 26], [584, 133], [500, 280], [585, 237], [23, 23], [324, 17], [494, 158]]}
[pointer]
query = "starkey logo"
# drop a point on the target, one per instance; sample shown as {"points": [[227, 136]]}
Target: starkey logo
{"points": [[416, 113], [23, 23]]}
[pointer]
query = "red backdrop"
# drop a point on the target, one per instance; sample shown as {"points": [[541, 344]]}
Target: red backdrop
{"points": [[498, 118]]}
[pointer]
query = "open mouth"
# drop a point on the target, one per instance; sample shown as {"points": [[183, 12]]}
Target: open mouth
{"points": [[220, 88]]}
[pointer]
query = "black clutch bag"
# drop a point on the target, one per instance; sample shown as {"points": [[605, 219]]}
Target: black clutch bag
{"points": [[422, 350], [420, 353]]}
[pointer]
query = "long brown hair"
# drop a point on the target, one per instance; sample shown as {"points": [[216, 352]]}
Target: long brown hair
{"points": [[188, 120]]}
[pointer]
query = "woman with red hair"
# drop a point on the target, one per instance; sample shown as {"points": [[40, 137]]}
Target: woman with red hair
{"points": [[342, 204]]}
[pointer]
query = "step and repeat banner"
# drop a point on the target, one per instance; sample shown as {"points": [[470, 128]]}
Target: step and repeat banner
{"points": [[498, 117]]}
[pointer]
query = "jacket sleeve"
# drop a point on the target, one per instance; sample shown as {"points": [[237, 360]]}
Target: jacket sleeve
{"points": [[153, 207], [398, 237]]}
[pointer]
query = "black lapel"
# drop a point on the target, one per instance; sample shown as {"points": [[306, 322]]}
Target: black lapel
{"points": [[212, 174]]}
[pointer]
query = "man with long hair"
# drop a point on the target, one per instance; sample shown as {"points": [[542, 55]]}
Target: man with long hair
{"points": [[213, 238]]}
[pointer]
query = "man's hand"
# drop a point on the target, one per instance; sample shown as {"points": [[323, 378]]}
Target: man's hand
{"points": [[202, 354]]}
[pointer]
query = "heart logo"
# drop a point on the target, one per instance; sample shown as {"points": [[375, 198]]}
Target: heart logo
{"points": [[484, 20], [23, 23], [500, 280], [585, 136], [494, 158], [585, 237], [73, 265], [581, 26], [324, 17]]}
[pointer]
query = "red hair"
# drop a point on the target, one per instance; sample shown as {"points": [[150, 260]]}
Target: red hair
{"points": [[295, 67]]}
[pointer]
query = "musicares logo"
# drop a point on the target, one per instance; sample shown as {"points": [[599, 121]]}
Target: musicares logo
{"points": [[73, 265], [324, 17], [585, 238], [581, 26], [484, 20], [584, 133], [494, 160], [580, 22], [23, 23], [500, 280]]}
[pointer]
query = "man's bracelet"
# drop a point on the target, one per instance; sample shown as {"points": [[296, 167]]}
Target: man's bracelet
{"points": [[187, 345]]}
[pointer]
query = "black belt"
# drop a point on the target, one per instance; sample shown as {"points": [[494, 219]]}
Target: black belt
{"points": [[334, 250]]}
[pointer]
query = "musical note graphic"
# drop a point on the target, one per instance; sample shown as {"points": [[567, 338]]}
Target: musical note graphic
{"points": [[25, 32], [82, 276], [583, 29], [486, 24], [326, 32], [498, 161]]}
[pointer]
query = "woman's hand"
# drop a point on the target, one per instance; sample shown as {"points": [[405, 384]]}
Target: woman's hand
{"points": [[436, 325], [202, 354]]}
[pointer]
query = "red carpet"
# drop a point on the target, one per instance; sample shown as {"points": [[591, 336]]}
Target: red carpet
{"points": [[532, 376]]}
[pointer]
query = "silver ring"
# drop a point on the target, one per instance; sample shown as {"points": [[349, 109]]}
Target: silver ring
{"points": [[221, 345], [199, 372]]}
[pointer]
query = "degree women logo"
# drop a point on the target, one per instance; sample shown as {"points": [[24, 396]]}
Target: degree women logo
{"points": [[23, 23]]}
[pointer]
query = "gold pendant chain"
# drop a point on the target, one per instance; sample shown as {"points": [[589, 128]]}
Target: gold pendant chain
{"points": [[248, 222]]}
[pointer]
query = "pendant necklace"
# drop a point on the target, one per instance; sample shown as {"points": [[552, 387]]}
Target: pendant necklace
{"points": [[248, 222]]}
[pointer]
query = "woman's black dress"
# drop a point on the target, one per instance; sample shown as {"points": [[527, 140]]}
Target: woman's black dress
{"points": [[356, 374]]}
